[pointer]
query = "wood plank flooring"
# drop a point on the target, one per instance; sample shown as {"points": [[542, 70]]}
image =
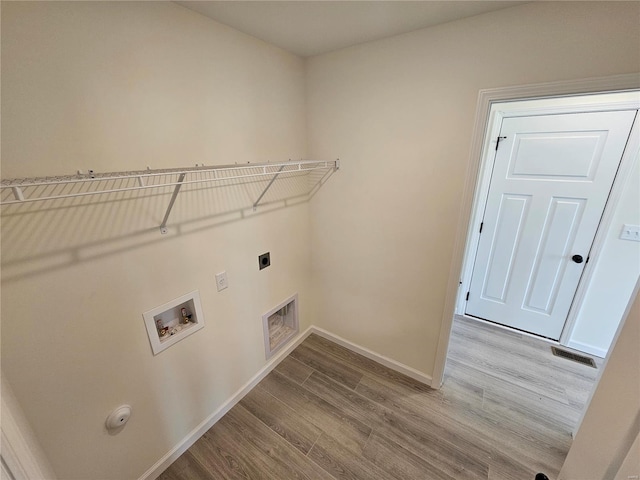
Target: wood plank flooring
{"points": [[505, 412]]}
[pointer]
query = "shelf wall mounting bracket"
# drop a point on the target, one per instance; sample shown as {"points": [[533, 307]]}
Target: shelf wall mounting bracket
{"points": [[255, 205], [17, 193], [163, 225]]}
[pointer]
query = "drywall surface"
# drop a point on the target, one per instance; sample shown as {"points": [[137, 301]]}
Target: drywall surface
{"points": [[612, 421], [119, 86], [614, 277], [399, 113]]}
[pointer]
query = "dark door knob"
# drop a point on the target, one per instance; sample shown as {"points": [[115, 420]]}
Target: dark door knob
{"points": [[577, 258]]}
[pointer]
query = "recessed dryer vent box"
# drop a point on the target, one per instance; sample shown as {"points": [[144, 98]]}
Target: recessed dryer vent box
{"points": [[173, 321], [280, 325]]}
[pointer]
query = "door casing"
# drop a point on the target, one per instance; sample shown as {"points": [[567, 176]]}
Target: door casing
{"points": [[548, 106], [486, 98]]}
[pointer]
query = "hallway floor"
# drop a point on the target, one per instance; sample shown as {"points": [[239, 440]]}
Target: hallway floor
{"points": [[505, 412]]}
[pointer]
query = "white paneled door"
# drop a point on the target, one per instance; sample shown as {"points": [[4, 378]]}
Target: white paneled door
{"points": [[550, 183]]}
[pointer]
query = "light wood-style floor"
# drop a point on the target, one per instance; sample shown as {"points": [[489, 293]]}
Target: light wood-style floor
{"points": [[505, 412]]}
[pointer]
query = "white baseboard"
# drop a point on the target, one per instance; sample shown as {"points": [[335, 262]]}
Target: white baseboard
{"points": [[376, 357], [162, 464], [586, 348]]}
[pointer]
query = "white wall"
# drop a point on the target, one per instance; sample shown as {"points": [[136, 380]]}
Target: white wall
{"points": [[119, 86], [631, 464], [603, 444], [400, 112], [113, 86], [616, 272]]}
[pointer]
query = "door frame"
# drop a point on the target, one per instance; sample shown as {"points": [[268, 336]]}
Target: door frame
{"points": [[499, 111], [480, 145], [22, 456]]}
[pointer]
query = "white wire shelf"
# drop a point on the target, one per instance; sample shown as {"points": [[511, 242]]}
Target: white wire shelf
{"points": [[26, 190]]}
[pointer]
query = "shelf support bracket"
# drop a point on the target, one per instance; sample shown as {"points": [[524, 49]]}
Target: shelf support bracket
{"points": [[255, 205], [163, 225], [17, 193]]}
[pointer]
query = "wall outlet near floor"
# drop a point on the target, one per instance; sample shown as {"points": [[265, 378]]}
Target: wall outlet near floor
{"points": [[630, 232], [221, 281]]}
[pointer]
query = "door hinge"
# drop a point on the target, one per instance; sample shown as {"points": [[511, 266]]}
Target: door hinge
{"points": [[498, 142], [467, 299], [586, 261], [481, 224]]}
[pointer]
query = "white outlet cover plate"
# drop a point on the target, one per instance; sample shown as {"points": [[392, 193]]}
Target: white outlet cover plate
{"points": [[221, 281], [630, 232]]}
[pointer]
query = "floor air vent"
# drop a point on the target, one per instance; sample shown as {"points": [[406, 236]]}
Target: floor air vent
{"points": [[558, 352]]}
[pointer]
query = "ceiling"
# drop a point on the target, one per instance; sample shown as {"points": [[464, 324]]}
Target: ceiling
{"points": [[308, 28]]}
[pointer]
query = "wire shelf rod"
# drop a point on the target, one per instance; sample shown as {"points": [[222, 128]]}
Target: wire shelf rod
{"points": [[18, 188], [102, 177]]}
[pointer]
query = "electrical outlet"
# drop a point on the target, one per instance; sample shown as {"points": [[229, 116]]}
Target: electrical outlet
{"points": [[222, 281], [264, 260], [630, 232]]}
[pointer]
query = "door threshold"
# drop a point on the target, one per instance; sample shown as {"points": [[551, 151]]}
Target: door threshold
{"points": [[499, 326]]}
